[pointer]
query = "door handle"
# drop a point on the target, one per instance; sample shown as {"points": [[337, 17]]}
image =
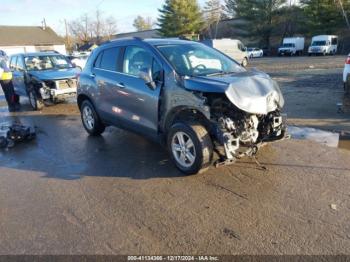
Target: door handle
{"points": [[92, 75], [120, 85]]}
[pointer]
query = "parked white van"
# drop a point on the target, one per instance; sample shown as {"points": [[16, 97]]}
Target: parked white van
{"points": [[324, 44], [231, 47], [292, 46]]}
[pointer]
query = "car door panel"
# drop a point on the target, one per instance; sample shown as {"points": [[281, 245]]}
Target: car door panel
{"points": [[137, 104], [104, 75], [19, 77]]}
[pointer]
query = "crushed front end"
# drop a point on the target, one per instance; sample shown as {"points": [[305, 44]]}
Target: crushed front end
{"points": [[56, 90], [245, 111], [238, 133]]}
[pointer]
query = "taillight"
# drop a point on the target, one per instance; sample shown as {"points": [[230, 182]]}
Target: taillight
{"points": [[347, 61]]}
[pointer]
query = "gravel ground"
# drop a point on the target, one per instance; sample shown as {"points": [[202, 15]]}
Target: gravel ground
{"points": [[67, 193], [278, 64]]}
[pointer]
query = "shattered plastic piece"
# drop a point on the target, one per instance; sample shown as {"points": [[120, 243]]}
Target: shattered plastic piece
{"points": [[334, 206]]}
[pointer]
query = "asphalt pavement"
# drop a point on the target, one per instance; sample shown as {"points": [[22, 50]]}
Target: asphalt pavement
{"points": [[68, 193]]}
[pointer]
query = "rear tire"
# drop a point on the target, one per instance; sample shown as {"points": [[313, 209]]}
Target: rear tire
{"points": [[194, 152], [91, 121]]}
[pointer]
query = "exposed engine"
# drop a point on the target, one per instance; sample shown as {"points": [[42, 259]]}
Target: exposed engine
{"points": [[241, 133]]}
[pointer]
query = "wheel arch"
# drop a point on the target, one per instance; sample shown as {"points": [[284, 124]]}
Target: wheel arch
{"points": [[185, 114], [82, 97]]}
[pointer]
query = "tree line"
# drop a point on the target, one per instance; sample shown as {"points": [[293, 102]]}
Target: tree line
{"points": [[264, 19]]}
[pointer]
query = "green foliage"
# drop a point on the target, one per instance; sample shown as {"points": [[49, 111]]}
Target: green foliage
{"points": [[325, 16], [180, 17], [141, 23]]}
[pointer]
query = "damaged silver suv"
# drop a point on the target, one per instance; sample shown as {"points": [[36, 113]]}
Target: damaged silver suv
{"points": [[190, 97]]}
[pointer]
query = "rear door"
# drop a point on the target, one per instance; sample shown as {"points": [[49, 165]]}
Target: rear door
{"points": [[106, 78]]}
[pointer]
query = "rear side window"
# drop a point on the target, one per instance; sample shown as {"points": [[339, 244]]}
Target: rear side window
{"points": [[109, 59], [98, 60]]}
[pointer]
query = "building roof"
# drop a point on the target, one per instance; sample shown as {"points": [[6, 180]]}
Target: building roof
{"points": [[28, 35]]}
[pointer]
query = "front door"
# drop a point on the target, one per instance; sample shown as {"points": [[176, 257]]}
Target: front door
{"points": [[138, 102], [19, 77]]}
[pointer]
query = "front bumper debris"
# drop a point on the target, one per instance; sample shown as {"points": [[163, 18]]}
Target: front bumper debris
{"points": [[234, 150]]}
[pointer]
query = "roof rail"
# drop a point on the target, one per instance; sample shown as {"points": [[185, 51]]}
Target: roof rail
{"points": [[138, 38], [122, 38]]}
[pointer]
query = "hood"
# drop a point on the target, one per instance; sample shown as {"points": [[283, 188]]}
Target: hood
{"points": [[251, 91], [56, 74]]}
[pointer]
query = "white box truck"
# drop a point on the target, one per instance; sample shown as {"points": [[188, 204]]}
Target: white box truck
{"points": [[292, 46], [231, 47], [324, 45]]}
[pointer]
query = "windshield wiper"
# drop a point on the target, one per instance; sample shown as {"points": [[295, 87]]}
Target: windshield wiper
{"points": [[220, 73]]}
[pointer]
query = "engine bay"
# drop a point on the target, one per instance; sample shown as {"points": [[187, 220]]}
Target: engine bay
{"points": [[239, 133]]}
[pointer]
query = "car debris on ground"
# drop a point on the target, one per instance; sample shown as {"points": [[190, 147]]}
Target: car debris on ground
{"points": [[16, 133]]}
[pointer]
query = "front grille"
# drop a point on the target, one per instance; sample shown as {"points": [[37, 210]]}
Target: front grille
{"points": [[67, 83]]}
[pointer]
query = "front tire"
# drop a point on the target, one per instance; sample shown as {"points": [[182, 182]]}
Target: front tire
{"points": [[35, 101], [90, 119], [190, 147]]}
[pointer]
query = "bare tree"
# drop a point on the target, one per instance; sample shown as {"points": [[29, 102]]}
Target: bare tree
{"points": [[81, 28], [110, 27], [86, 28], [98, 24], [213, 12]]}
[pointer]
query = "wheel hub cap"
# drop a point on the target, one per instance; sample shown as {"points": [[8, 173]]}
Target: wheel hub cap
{"points": [[88, 117], [183, 149]]}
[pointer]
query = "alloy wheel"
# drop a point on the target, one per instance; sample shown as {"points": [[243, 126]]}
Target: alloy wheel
{"points": [[183, 149], [88, 118]]}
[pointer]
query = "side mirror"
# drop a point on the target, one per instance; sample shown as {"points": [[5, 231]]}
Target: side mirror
{"points": [[146, 75]]}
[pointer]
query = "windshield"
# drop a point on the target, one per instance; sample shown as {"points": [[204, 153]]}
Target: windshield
{"points": [[46, 62], [198, 60], [288, 45], [319, 43]]}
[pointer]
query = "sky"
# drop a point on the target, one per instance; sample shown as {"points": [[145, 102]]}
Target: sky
{"points": [[32, 12]]}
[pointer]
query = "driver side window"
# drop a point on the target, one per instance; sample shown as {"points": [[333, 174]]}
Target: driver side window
{"points": [[13, 62], [136, 59], [20, 63]]}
